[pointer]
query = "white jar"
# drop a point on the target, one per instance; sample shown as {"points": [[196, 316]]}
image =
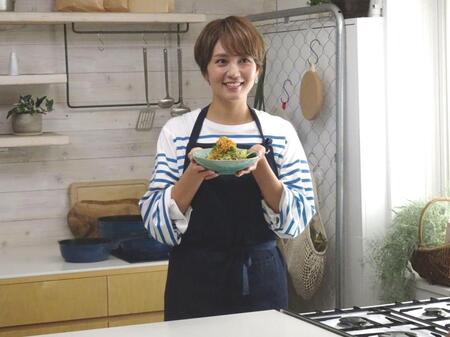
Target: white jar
{"points": [[13, 64], [6, 5]]}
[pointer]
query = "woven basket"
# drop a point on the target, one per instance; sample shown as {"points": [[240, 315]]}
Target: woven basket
{"points": [[305, 263], [433, 264]]}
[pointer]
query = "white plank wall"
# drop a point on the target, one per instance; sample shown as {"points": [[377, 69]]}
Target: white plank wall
{"points": [[103, 142]]}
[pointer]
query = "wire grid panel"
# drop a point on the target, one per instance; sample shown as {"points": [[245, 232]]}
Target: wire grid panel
{"points": [[291, 47]]}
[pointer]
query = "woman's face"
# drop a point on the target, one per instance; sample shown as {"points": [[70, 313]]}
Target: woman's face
{"points": [[230, 76]]}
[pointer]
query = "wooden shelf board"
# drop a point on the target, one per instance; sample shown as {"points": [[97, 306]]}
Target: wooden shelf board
{"points": [[47, 138], [32, 79], [59, 18]]}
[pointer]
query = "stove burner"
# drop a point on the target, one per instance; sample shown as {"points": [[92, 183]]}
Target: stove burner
{"points": [[434, 312], [397, 334], [352, 322]]}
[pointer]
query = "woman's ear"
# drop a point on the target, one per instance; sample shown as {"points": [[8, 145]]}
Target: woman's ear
{"points": [[257, 74]]}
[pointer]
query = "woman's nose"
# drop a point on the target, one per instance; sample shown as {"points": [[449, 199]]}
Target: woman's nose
{"points": [[233, 70]]}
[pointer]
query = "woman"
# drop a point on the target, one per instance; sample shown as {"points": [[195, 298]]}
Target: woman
{"points": [[224, 228]]}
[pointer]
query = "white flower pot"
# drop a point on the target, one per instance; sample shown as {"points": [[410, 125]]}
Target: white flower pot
{"points": [[27, 124]]}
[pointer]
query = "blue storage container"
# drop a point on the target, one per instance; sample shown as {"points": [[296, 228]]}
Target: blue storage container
{"points": [[85, 250], [121, 227], [134, 244]]}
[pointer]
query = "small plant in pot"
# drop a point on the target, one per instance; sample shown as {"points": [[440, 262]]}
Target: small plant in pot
{"points": [[318, 2], [27, 114]]}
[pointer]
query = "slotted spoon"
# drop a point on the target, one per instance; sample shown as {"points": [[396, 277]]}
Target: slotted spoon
{"points": [[147, 115]]}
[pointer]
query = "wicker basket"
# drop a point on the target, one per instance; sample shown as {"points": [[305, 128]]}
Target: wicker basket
{"points": [[433, 264]]}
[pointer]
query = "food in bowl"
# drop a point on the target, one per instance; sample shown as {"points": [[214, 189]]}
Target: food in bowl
{"points": [[226, 149], [225, 157]]}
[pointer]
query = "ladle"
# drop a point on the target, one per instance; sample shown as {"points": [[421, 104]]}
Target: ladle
{"points": [[181, 108], [166, 102]]}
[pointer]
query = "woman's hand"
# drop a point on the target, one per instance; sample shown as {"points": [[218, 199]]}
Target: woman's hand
{"points": [[197, 170], [184, 189], [261, 151]]}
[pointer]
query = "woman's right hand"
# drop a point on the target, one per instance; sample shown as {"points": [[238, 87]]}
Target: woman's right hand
{"points": [[197, 170], [190, 181]]}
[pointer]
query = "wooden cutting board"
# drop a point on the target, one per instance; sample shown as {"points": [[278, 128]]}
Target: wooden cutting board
{"points": [[107, 190], [311, 95]]}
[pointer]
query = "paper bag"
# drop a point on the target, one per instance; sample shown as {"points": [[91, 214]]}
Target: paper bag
{"points": [[151, 6], [79, 6], [116, 5]]}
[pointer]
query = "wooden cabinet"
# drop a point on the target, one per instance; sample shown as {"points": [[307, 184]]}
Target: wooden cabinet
{"points": [[52, 301], [147, 317], [79, 301], [134, 293]]}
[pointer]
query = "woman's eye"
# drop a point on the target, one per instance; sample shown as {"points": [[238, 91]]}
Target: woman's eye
{"points": [[221, 61], [246, 60]]}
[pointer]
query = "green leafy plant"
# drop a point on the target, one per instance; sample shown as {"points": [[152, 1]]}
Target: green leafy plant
{"points": [[390, 254], [318, 2], [29, 105]]}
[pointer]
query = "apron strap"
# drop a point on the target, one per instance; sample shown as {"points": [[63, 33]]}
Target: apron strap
{"points": [[266, 142]]}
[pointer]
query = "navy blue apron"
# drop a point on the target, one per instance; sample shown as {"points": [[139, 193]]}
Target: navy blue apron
{"points": [[227, 261]]}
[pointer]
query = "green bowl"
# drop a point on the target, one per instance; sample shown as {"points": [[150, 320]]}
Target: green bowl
{"points": [[222, 166]]}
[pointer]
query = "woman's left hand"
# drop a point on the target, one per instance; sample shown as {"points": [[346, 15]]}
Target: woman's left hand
{"points": [[261, 151]]}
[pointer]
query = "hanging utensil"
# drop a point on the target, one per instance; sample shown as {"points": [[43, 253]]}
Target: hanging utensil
{"points": [[147, 115], [311, 92], [167, 101], [181, 108]]}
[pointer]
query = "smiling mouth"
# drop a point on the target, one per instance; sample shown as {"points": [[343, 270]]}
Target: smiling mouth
{"points": [[233, 85]]}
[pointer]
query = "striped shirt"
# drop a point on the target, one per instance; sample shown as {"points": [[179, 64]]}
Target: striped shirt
{"points": [[160, 213]]}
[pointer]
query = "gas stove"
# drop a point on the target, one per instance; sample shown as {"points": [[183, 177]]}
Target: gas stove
{"points": [[424, 318]]}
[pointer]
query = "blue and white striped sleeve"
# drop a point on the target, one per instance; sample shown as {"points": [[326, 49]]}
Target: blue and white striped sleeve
{"points": [[160, 213], [297, 200]]}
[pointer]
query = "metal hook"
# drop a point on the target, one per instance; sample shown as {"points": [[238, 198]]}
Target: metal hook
{"points": [[285, 91], [101, 47], [313, 51]]}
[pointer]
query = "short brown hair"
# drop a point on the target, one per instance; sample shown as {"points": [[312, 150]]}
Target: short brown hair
{"points": [[237, 35]]}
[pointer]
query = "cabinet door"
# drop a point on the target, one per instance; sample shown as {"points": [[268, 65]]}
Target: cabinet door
{"points": [[52, 301], [136, 293], [147, 317], [39, 329]]}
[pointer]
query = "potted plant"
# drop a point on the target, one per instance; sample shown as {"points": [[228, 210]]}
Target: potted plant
{"points": [[318, 2], [27, 114], [390, 254]]}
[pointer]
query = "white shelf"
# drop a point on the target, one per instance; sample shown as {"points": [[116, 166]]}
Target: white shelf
{"points": [[426, 290], [59, 18], [47, 138], [32, 79]]}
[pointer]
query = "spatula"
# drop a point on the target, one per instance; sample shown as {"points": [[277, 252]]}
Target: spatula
{"points": [[147, 115]]}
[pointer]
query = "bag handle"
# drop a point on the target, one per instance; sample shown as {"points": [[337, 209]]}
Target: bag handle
{"points": [[422, 216]]}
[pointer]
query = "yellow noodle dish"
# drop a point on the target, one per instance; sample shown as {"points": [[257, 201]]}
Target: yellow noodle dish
{"points": [[226, 149]]}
